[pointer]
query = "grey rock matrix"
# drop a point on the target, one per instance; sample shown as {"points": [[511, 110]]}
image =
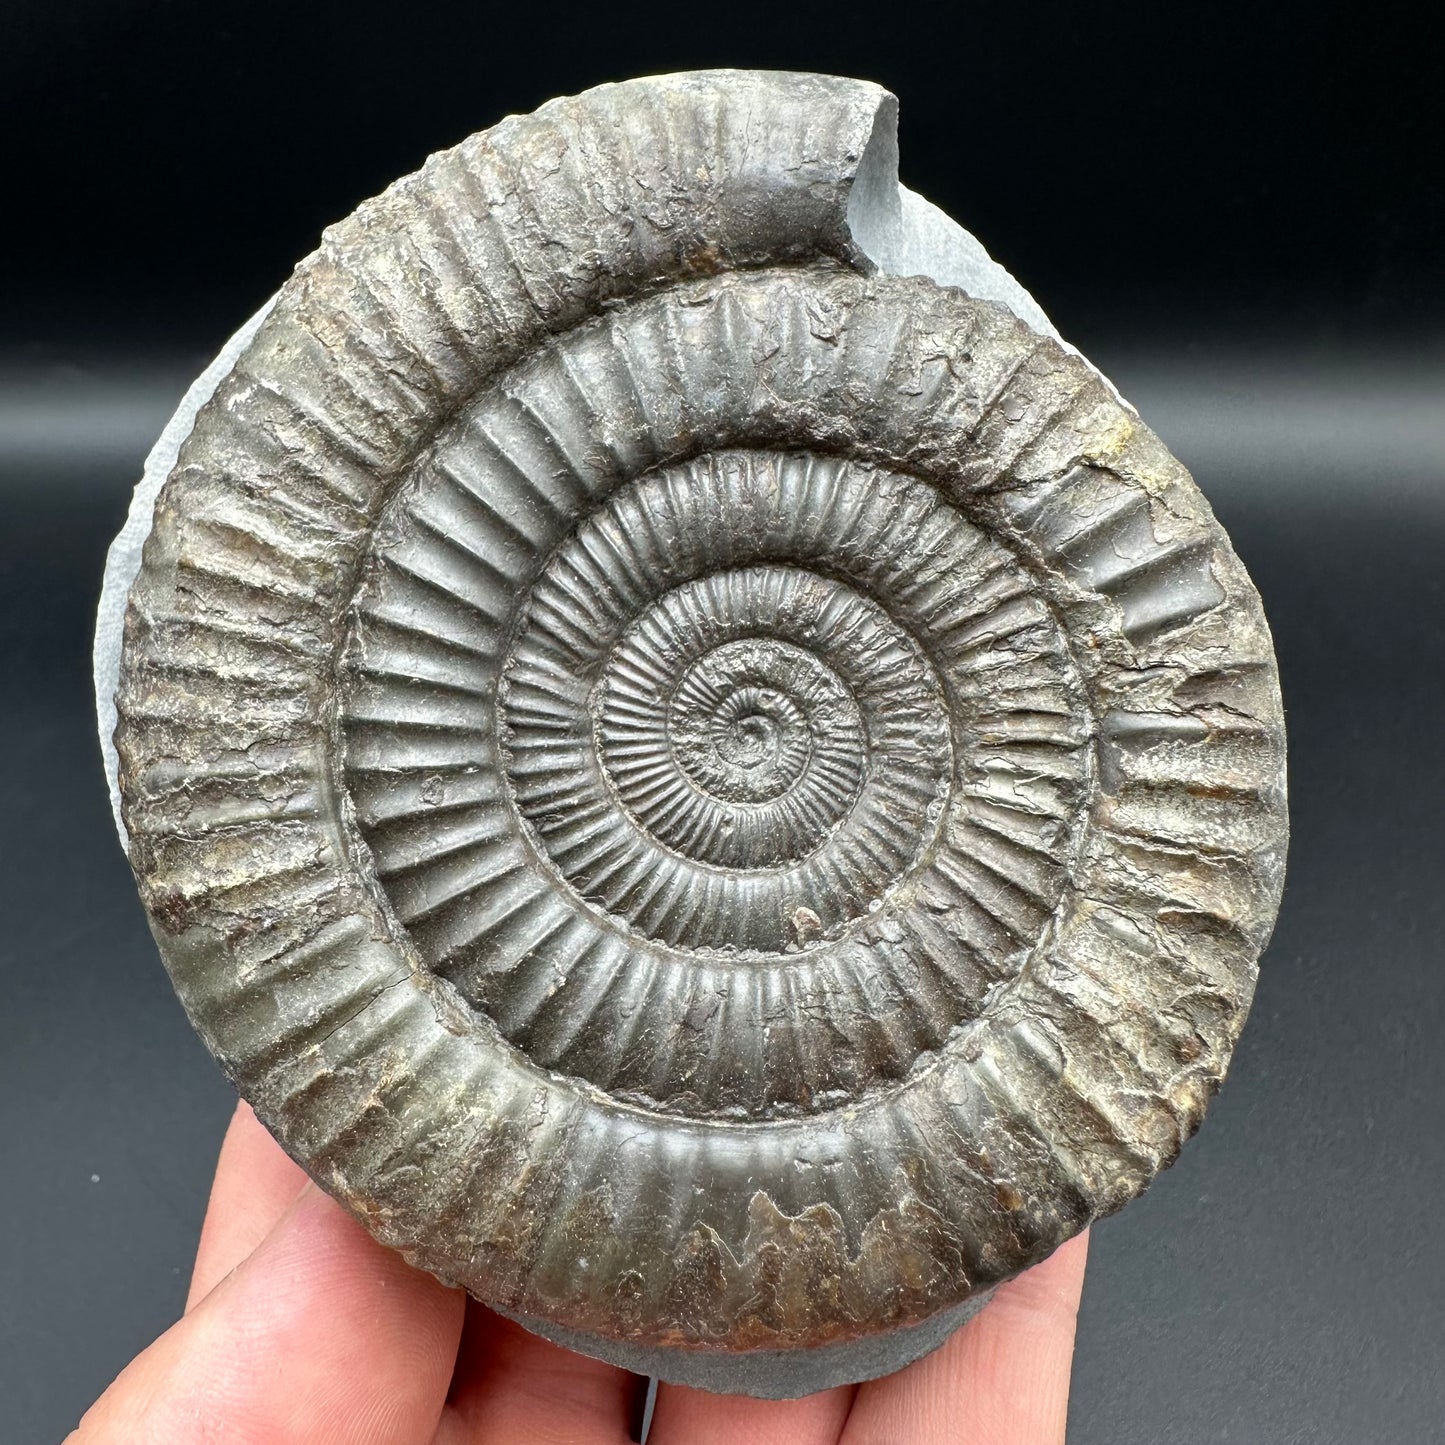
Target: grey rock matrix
{"points": [[725, 798]]}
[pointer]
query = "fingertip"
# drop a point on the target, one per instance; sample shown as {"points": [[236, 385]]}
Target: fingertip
{"points": [[1004, 1377], [1050, 1291], [391, 1330], [321, 1334], [255, 1183], [695, 1417], [513, 1385]]}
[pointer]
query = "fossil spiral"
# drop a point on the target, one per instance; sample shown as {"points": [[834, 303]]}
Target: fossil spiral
{"points": [[719, 793]]}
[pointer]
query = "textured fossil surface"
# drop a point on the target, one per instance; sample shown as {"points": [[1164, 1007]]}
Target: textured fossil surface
{"points": [[724, 799]]}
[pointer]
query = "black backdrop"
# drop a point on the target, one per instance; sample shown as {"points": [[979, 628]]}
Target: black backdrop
{"points": [[1257, 166], [1235, 210]]}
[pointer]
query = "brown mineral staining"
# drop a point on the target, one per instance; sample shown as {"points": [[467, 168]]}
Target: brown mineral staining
{"points": [[803, 927], [1009, 1197]]}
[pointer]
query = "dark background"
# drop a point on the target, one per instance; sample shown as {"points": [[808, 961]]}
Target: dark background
{"points": [[1235, 210]]}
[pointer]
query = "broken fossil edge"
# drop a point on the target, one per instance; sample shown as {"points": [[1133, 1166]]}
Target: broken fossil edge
{"points": [[901, 235]]}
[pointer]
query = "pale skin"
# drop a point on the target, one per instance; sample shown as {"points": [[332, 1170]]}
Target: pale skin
{"points": [[301, 1330]]}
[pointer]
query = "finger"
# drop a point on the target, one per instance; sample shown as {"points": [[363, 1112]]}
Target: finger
{"points": [[511, 1385], [694, 1417], [322, 1335], [255, 1184], [1002, 1379]]}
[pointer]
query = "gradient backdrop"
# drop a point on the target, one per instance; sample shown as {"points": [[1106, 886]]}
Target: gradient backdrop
{"points": [[1234, 210]]}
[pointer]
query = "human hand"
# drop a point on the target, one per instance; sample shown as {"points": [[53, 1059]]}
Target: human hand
{"points": [[301, 1330]]}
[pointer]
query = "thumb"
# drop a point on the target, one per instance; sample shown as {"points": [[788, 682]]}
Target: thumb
{"points": [[321, 1335]]}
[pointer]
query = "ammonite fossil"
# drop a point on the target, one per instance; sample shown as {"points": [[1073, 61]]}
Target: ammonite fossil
{"points": [[707, 778]]}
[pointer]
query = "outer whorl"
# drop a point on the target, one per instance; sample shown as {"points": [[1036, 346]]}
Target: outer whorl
{"points": [[724, 799]]}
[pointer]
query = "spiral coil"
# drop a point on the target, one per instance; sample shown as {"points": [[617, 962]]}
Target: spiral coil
{"points": [[723, 799]]}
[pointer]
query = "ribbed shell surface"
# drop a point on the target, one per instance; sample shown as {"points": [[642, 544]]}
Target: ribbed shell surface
{"points": [[721, 799]]}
